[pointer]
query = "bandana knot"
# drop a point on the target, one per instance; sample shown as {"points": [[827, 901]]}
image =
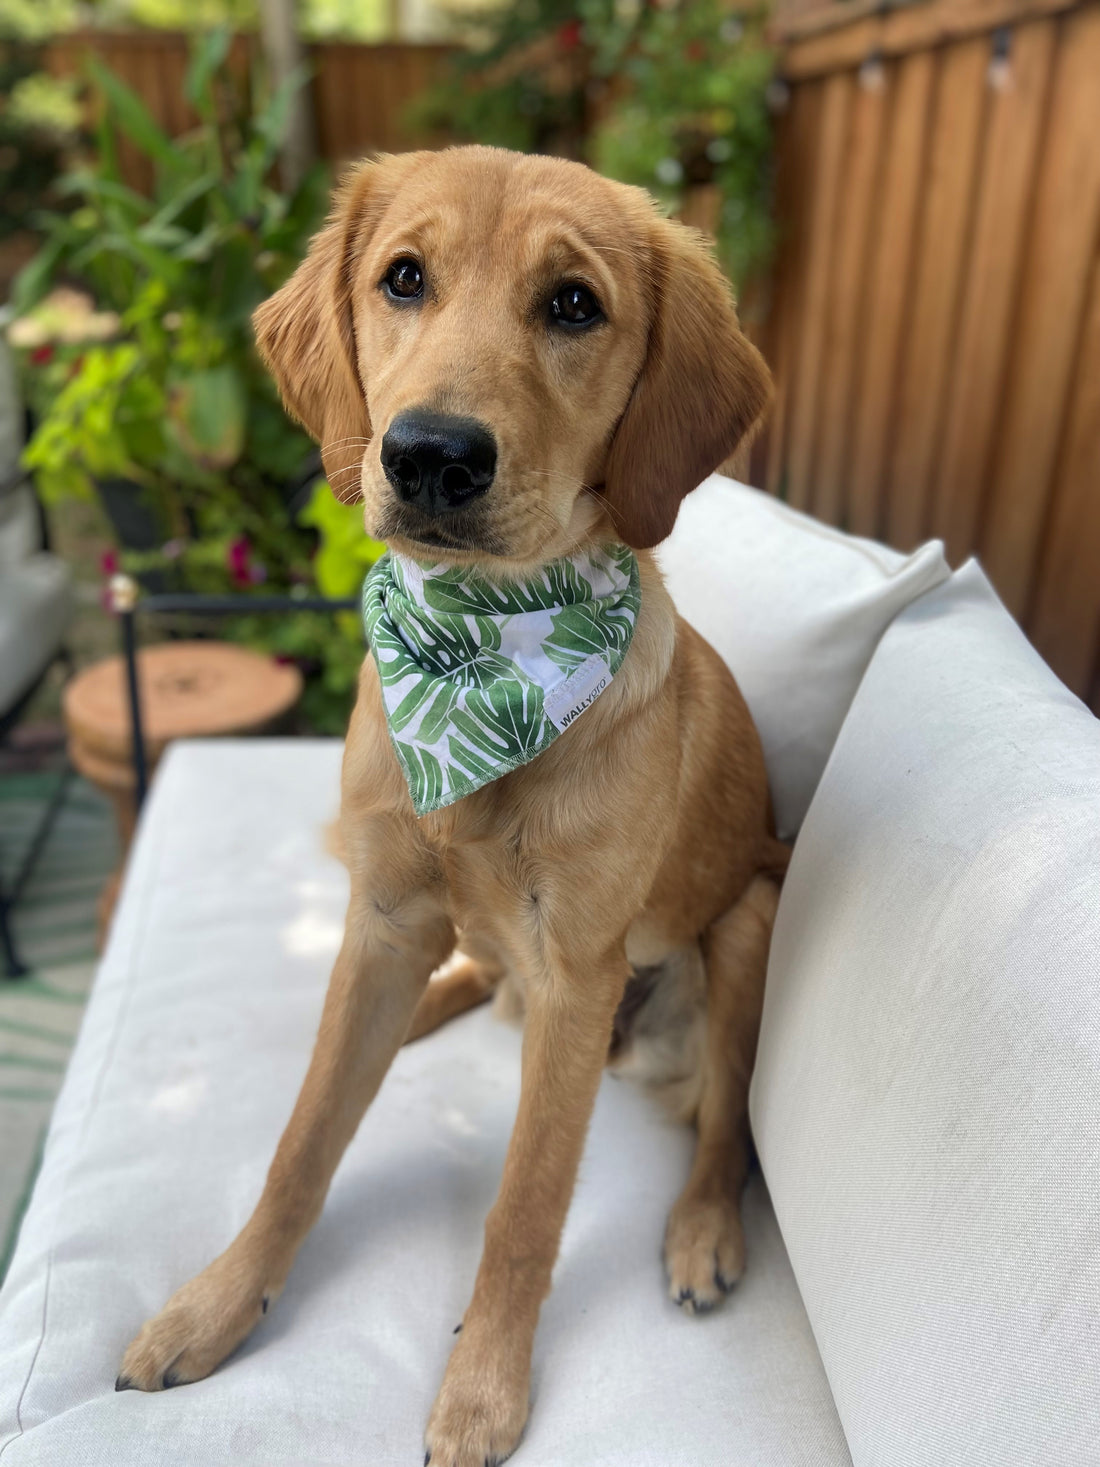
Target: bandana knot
{"points": [[479, 676]]}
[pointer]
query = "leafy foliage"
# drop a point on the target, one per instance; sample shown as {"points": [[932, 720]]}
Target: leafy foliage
{"points": [[177, 402], [667, 94], [36, 125], [694, 112]]}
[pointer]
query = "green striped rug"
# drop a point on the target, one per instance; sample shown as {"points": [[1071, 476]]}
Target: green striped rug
{"points": [[55, 929]]}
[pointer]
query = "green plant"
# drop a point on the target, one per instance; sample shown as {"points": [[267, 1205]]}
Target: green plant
{"points": [[176, 401], [38, 121], [693, 112], [667, 94]]}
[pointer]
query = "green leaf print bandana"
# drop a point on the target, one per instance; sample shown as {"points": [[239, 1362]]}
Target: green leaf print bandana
{"points": [[479, 676]]}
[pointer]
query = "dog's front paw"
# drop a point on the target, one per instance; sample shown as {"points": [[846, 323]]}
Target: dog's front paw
{"points": [[704, 1251], [200, 1325], [481, 1409]]}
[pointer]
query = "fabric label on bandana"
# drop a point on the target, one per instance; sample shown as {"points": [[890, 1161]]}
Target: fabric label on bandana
{"points": [[579, 691], [480, 676]]}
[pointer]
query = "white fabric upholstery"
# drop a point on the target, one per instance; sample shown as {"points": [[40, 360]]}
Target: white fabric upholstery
{"points": [[927, 1093], [192, 1051], [35, 606], [795, 609]]}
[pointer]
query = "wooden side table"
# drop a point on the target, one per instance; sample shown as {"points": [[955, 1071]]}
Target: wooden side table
{"points": [[188, 690]]}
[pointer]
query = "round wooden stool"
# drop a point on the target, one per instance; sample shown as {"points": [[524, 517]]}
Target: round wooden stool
{"points": [[188, 690]]}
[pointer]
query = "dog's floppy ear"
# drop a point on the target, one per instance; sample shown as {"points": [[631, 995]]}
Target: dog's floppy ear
{"points": [[306, 335], [701, 388]]}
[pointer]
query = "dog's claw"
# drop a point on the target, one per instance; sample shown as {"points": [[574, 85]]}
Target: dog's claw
{"points": [[169, 1379], [457, 1329], [427, 1458], [264, 1304], [124, 1383]]}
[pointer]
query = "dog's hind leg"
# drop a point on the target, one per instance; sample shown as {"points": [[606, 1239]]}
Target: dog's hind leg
{"points": [[704, 1245], [466, 984]]}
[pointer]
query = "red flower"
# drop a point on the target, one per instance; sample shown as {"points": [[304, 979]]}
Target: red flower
{"points": [[695, 51], [237, 557], [41, 355], [569, 37], [108, 563]]}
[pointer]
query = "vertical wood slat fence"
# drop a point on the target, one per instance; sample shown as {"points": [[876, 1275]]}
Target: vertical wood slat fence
{"points": [[359, 92], [935, 328]]}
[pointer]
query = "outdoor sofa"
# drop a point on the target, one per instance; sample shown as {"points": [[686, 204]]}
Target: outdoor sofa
{"points": [[923, 1279]]}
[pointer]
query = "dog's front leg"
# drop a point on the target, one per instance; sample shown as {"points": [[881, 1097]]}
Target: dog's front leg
{"points": [[396, 933], [481, 1408]]}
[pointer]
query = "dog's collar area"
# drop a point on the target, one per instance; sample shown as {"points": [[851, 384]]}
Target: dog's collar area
{"points": [[480, 675]]}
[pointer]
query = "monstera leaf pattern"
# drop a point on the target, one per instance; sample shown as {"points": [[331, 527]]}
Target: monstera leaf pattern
{"points": [[466, 663]]}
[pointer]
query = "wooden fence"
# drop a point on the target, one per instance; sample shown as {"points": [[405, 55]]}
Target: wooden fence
{"points": [[935, 326], [359, 93]]}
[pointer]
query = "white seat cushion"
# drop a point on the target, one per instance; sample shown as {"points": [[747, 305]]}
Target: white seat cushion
{"points": [[926, 1099], [194, 1045], [36, 603], [796, 610]]}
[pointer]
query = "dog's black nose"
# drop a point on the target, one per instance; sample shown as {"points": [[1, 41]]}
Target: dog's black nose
{"points": [[438, 462]]}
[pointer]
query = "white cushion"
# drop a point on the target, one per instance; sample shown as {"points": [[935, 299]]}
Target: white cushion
{"points": [[927, 1093], [36, 604], [796, 610], [192, 1050]]}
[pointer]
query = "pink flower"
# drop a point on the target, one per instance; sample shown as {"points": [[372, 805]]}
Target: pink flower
{"points": [[237, 557], [41, 355], [173, 549], [108, 563], [569, 36]]}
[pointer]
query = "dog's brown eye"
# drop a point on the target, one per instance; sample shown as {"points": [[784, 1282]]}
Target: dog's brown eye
{"points": [[403, 280], [575, 305]]}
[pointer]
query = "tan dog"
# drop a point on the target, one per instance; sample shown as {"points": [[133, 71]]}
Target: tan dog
{"points": [[623, 883]]}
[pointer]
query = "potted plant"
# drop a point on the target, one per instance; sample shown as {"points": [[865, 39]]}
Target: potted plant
{"points": [[169, 416]]}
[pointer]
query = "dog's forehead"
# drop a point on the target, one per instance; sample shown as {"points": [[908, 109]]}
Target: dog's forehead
{"points": [[525, 210]]}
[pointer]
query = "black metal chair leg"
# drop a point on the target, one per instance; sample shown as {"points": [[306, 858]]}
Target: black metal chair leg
{"points": [[14, 967]]}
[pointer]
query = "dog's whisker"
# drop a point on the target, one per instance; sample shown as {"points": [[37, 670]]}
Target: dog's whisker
{"points": [[343, 480], [339, 442], [604, 503]]}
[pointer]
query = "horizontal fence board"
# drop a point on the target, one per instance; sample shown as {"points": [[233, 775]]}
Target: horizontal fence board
{"points": [[850, 33], [360, 93]]}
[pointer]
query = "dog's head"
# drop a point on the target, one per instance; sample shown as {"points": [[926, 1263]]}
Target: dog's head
{"points": [[504, 355]]}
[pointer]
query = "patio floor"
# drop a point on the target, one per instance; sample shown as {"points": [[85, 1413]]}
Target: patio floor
{"points": [[55, 929]]}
